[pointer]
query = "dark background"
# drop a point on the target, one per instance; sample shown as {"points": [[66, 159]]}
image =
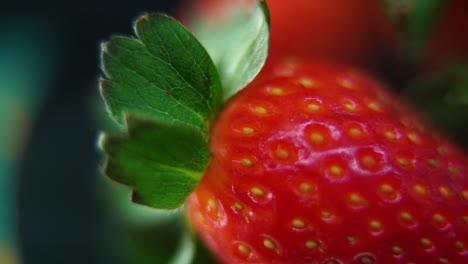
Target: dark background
{"points": [[60, 219]]}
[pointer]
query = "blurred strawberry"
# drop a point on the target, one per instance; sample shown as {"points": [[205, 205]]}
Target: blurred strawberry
{"points": [[449, 38], [344, 32]]}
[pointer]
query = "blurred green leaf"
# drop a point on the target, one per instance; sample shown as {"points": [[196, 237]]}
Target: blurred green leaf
{"points": [[167, 243], [238, 46], [145, 235]]}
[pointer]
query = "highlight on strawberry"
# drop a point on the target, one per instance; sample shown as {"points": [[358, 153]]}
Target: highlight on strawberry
{"points": [[280, 156]]}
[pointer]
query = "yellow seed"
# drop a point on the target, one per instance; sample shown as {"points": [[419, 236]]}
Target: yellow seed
{"points": [[268, 243], [246, 162], [375, 225], [355, 132], [326, 214], [212, 204], [336, 170], [351, 239], [386, 188], [405, 216], [276, 91], [260, 110], [305, 188], [356, 199], [247, 130], [369, 161], [316, 138], [387, 192], [346, 83], [403, 162], [442, 261], [244, 249], [453, 169], [425, 242], [419, 190], [367, 260], [314, 107], [257, 191], [374, 106], [350, 106], [445, 192], [298, 223], [397, 250], [434, 163], [414, 138], [440, 219], [307, 83], [311, 244], [281, 153], [459, 245], [390, 135], [238, 206], [464, 194]]}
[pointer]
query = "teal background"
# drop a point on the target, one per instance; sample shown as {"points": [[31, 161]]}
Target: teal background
{"points": [[25, 60], [53, 206]]}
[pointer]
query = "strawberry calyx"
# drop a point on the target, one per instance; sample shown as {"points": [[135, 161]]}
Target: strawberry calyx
{"points": [[165, 90]]}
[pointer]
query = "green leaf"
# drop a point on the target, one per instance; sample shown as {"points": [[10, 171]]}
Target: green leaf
{"points": [[239, 46], [162, 163], [164, 74]]}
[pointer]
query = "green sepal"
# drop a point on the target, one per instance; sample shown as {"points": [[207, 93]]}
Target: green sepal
{"points": [[165, 74], [238, 45], [162, 163]]}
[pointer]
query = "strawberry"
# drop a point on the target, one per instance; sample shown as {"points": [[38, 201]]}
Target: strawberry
{"points": [[448, 40], [347, 32], [313, 163]]}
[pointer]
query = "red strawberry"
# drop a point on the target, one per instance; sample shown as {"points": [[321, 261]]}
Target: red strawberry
{"points": [[348, 32], [449, 39], [319, 164]]}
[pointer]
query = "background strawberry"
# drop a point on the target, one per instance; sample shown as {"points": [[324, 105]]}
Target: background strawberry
{"points": [[448, 40], [356, 32], [314, 163]]}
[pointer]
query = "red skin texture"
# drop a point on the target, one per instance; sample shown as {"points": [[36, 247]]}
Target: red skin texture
{"points": [[346, 32], [449, 39], [330, 168]]}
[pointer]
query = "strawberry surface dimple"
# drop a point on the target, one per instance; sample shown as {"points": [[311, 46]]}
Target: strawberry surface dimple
{"points": [[322, 165]]}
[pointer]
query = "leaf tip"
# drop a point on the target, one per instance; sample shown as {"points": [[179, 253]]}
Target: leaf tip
{"points": [[141, 19], [147, 18], [102, 141], [104, 51], [104, 91]]}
